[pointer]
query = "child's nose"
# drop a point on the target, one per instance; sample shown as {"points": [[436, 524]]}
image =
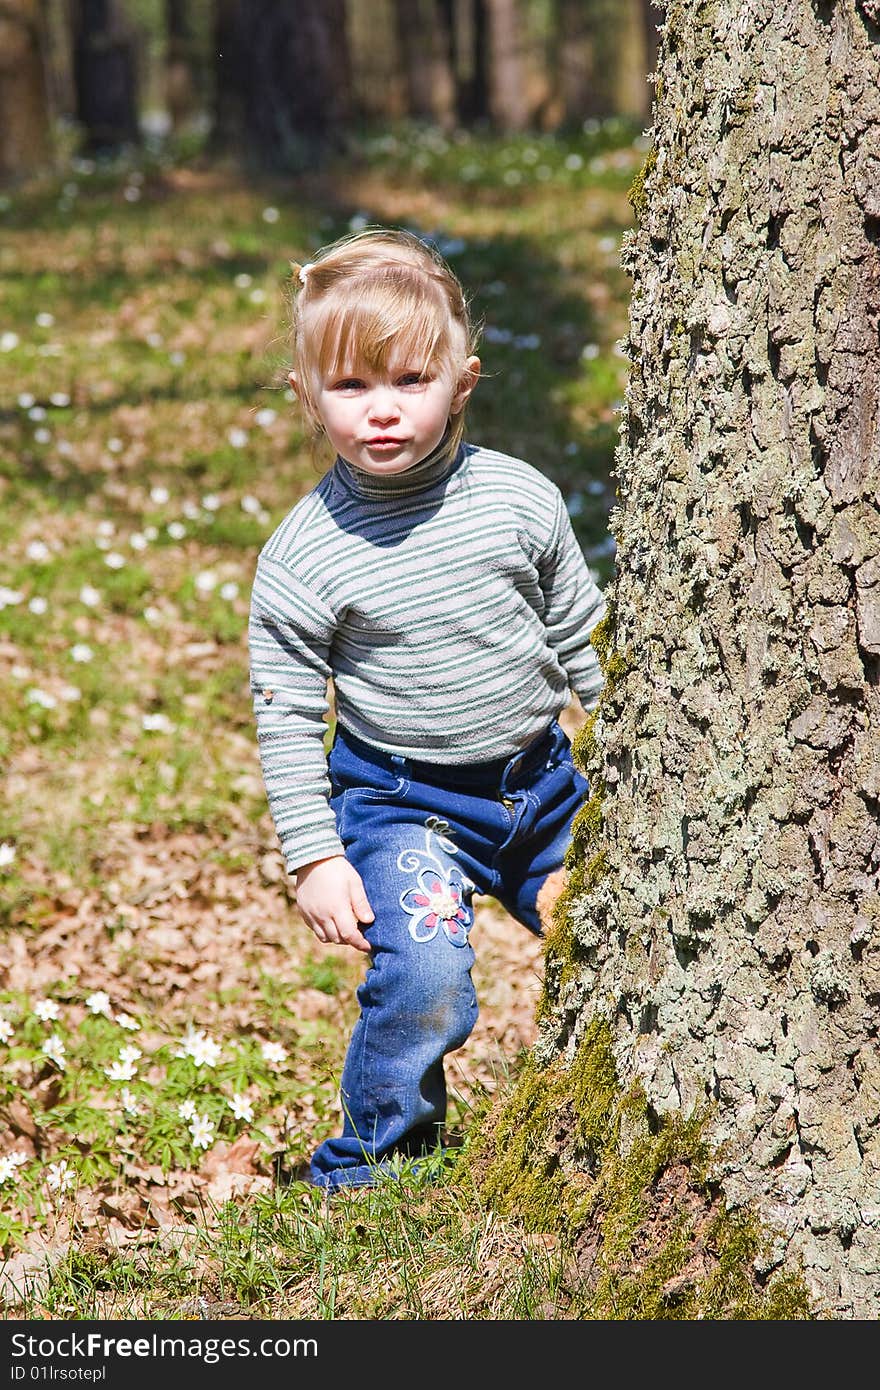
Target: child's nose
{"points": [[383, 404]]}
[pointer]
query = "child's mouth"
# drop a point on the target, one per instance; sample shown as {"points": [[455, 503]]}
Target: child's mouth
{"points": [[384, 442]]}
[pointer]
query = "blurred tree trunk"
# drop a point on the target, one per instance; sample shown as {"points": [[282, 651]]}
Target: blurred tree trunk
{"points": [[721, 925], [227, 113], [25, 145], [587, 57], [181, 86], [473, 61], [105, 75], [424, 60], [508, 100], [283, 90]]}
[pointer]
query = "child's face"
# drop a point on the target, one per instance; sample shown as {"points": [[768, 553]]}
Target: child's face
{"points": [[385, 422]]}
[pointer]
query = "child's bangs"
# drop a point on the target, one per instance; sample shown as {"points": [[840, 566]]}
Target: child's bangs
{"points": [[383, 327]]}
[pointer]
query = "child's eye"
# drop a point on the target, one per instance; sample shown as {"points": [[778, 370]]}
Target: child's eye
{"points": [[413, 379], [348, 383]]}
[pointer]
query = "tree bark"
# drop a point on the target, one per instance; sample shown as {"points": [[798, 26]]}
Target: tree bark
{"points": [[508, 100], [105, 75], [284, 95], [419, 52], [726, 926], [180, 67], [25, 144]]}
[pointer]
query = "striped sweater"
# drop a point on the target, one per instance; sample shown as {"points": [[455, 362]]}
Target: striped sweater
{"points": [[450, 606]]}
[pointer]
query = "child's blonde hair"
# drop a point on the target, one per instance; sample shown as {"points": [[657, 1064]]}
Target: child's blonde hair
{"points": [[374, 299]]}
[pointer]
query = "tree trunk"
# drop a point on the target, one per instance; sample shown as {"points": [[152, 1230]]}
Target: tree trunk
{"points": [[508, 100], [24, 106], [446, 27], [105, 75], [722, 922], [473, 98], [180, 67], [589, 35], [284, 92], [424, 61]]}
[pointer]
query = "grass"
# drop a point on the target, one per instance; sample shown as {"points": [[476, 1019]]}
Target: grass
{"points": [[148, 446]]}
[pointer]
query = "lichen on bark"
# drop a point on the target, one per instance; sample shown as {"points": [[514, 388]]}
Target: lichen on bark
{"points": [[731, 941]]}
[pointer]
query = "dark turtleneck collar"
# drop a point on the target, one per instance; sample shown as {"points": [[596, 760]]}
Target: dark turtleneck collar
{"points": [[421, 476]]}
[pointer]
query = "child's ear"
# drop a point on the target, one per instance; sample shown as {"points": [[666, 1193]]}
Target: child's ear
{"points": [[294, 384], [466, 383]]}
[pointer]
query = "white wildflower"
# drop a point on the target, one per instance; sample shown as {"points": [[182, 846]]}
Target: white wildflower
{"points": [[202, 1130], [265, 417], [8, 342], [35, 696], [206, 581], [252, 505], [157, 724], [81, 651], [60, 399], [159, 494], [89, 596], [38, 604], [54, 1049], [44, 319], [99, 1002], [9, 1165], [187, 1108], [114, 560], [46, 1010], [176, 530], [121, 1071], [271, 214], [37, 550], [274, 1053], [137, 541], [8, 597], [211, 502], [237, 437], [6, 1030], [129, 1101], [241, 1108], [60, 1176], [126, 1021], [130, 1053], [229, 590], [7, 854], [205, 1052]]}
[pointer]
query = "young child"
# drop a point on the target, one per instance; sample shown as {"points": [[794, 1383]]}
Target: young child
{"points": [[440, 586]]}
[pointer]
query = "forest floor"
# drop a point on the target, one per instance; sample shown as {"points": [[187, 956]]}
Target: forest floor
{"points": [[169, 1030]]}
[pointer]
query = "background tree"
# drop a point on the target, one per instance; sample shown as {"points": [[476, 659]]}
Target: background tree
{"points": [[181, 64], [283, 80], [721, 927], [105, 75], [424, 62], [24, 102]]}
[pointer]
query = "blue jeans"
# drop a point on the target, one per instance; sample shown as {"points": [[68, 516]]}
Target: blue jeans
{"points": [[425, 838]]}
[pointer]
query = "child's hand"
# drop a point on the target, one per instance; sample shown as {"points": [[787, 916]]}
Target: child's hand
{"points": [[331, 897]]}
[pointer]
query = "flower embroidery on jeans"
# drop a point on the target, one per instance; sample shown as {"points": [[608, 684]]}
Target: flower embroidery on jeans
{"points": [[439, 898]]}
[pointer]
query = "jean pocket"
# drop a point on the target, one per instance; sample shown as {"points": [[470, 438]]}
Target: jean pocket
{"points": [[356, 803]]}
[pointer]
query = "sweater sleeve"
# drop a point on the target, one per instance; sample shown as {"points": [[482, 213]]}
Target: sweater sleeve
{"points": [[289, 637], [574, 606]]}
